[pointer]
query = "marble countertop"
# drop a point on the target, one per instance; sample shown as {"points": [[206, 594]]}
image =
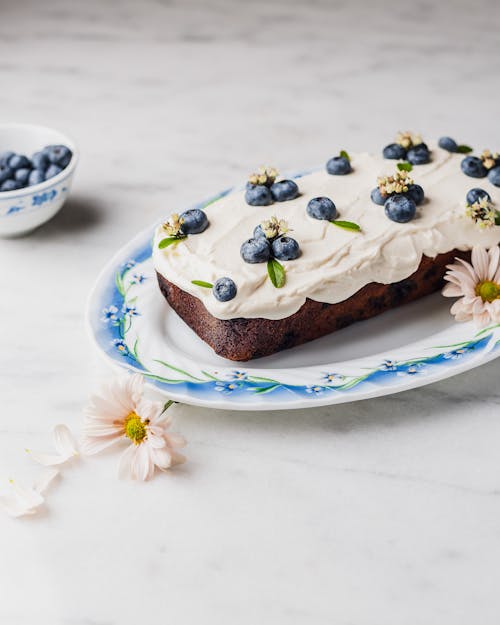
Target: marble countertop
{"points": [[381, 512]]}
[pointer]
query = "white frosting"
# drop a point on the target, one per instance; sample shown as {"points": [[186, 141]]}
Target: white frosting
{"points": [[334, 263]]}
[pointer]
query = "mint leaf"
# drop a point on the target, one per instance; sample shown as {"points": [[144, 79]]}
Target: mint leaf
{"points": [[464, 149], [347, 225], [169, 241], [276, 273], [205, 285], [404, 166], [497, 218], [345, 155]]}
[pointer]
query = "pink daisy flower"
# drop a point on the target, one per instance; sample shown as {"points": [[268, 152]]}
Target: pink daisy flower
{"points": [[477, 284], [121, 414]]}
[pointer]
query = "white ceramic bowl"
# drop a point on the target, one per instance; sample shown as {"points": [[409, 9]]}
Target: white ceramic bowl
{"points": [[25, 209]]}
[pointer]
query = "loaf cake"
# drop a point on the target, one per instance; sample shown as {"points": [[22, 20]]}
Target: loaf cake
{"points": [[281, 262]]}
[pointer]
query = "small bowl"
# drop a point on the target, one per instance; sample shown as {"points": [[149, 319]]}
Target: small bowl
{"points": [[25, 209]]}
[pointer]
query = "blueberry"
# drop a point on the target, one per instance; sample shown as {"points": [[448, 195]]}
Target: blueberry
{"points": [[36, 177], [4, 157], [494, 176], [476, 194], [258, 195], [418, 155], [19, 161], [10, 185], [284, 190], [400, 208], [416, 193], [52, 171], [58, 155], [256, 251], [447, 143], [40, 161], [338, 166], [377, 197], [473, 166], [285, 248], [193, 221], [5, 173], [322, 208], [394, 151], [224, 289], [22, 175], [258, 233]]}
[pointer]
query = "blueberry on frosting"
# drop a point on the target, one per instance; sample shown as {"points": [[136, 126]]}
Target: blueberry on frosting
{"points": [[224, 289], [285, 248], [418, 155], [473, 166], [284, 190], [477, 194], [448, 144], [339, 165], [400, 208], [256, 250], [377, 197], [494, 176], [394, 151], [193, 221], [416, 193], [258, 195], [322, 208]]}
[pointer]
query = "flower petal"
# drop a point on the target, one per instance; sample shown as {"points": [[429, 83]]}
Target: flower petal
{"points": [[64, 441], [91, 445], [44, 480]]}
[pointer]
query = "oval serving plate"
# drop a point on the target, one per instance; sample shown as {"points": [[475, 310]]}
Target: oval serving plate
{"points": [[135, 329]]}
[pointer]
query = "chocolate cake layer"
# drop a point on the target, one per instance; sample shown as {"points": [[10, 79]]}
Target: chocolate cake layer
{"points": [[245, 339]]}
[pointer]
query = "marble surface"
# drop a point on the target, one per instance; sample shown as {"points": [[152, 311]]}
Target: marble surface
{"points": [[375, 513]]}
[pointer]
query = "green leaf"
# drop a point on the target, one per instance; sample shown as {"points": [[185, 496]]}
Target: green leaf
{"points": [[497, 218], [265, 389], [464, 149], [205, 285], [276, 273], [345, 155], [346, 225], [404, 166], [169, 241]]}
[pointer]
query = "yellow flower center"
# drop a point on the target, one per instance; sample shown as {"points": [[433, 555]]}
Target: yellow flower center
{"points": [[135, 428], [488, 291]]}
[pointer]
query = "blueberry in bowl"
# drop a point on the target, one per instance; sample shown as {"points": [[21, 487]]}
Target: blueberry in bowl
{"points": [[30, 194]]}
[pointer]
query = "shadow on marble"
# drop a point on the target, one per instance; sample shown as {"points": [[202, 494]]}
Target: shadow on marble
{"points": [[80, 213]]}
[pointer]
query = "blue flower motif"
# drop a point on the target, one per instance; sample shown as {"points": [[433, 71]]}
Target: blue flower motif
{"points": [[130, 311], [226, 387], [14, 209], [110, 314], [456, 353], [388, 365], [138, 278], [47, 196], [315, 389], [121, 346], [412, 369], [336, 379], [129, 264], [238, 375]]}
